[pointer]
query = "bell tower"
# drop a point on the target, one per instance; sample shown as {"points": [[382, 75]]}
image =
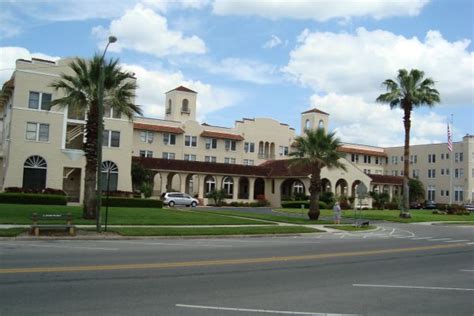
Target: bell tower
{"points": [[180, 104], [313, 119]]}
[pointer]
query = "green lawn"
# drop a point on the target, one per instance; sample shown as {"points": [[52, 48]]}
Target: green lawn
{"points": [[275, 218], [390, 215], [351, 228], [21, 214], [173, 231]]}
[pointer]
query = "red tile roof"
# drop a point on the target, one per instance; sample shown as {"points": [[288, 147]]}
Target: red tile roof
{"points": [[199, 167], [158, 128], [315, 110], [182, 88], [381, 179], [350, 150], [221, 135]]}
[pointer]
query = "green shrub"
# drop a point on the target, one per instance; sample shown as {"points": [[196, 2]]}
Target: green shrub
{"points": [[32, 198], [130, 202]]}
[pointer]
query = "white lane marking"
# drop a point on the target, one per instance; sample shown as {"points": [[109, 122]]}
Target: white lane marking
{"points": [[460, 240], [414, 287], [268, 311], [440, 239], [421, 238], [59, 246], [467, 270]]}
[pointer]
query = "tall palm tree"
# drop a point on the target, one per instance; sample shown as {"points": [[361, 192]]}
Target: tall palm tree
{"points": [[314, 151], [407, 92], [80, 91]]}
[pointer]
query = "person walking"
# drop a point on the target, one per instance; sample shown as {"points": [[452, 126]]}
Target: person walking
{"points": [[337, 213]]}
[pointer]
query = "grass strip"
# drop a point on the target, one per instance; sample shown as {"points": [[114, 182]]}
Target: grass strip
{"points": [[214, 231], [11, 232], [351, 228], [268, 217]]}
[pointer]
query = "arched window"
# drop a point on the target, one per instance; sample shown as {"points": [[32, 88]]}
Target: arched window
{"points": [[307, 125], [168, 107], [298, 187], [321, 124], [109, 176], [185, 106], [210, 184], [34, 173], [228, 184]]}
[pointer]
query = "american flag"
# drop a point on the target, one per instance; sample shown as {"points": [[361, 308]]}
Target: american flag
{"points": [[450, 140]]}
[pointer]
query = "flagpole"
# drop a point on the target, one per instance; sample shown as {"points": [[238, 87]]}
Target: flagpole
{"points": [[451, 192]]}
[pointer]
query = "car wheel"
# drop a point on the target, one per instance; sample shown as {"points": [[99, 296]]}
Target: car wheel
{"points": [[193, 204], [171, 204]]}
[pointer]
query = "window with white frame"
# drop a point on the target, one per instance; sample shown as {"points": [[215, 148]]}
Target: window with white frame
{"points": [[166, 155], [39, 101], [37, 132], [189, 157], [210, 158], [230, 145], [169, 139], [190, 141], [111, 138], [229, 160], [431, 190], [146, 153], [458, 193], [249, 147], [211, 143], [146, 137]]}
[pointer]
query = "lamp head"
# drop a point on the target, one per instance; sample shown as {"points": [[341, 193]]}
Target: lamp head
{"points": [[112, 39]]}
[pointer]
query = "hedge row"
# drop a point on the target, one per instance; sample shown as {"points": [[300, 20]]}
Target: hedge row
{"points": [[31, 198], [297, 204], [129, 202]]}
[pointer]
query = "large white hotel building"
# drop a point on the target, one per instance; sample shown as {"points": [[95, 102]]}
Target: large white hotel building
{"points": [[41, 146]]}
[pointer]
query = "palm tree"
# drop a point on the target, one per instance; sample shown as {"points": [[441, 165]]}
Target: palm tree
{"points": [[80, 94], [408, 91], [314, 151]]}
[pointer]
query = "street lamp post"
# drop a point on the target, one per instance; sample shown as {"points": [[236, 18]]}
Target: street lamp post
{"points": [[100, 129]]}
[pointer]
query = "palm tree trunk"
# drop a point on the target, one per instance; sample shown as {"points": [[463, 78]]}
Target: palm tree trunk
{"points": [[90, 149], [406, 156], [314, 190]]}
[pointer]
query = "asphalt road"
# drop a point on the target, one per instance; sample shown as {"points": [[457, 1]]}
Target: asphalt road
{"points": [[397, 270]]}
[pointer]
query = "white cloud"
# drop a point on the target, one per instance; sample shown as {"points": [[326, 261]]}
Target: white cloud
{"points": [[152, 85], [9, 55], [357, 64], [319, 10], [273, 42], [358, 121], [145, 31]]}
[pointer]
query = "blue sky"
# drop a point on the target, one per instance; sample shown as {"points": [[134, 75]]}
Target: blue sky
{"points": [[268, 58]]}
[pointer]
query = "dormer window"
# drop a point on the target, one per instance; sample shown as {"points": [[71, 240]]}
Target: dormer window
{"points": [[185, 106], [168, 107]]}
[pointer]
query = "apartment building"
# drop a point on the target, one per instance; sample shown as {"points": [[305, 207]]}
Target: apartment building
{"points": [[42, 147]]}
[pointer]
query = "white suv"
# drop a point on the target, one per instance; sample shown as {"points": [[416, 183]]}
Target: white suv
{"points": [[177, 198]]}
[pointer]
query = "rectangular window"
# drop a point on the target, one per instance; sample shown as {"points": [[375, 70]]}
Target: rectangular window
{"points": [[210, 158], [168, 156], [37, 132], [211, 143], [146, 137], [111, 138], [146, 153], [190, 141], [230, 145], [189, 157], [39, 101], [169, 139]]}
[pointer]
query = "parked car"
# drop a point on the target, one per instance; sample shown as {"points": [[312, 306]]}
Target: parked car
{"points": [[177, 198], [429, 205], [416, 205]]}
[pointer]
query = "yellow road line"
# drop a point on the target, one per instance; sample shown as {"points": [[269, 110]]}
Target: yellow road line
{"points": [[187, 264]]}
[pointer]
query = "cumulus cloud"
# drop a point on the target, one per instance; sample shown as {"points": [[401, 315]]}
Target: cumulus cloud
{"points": [[359, 121], [152, 85], [273, 42], [145, 31], [9, 55], [320, 10], [356, 64]]}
